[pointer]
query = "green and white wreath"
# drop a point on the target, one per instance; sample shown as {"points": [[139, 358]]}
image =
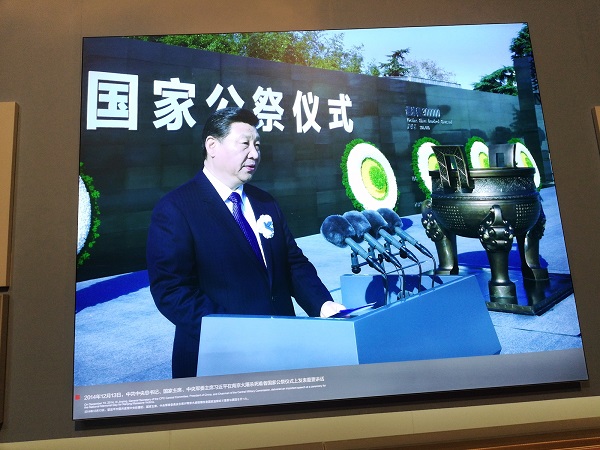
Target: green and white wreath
{"points": [[88, 220], [478, 153], [524, 158], [424, 160], [368, 177]]}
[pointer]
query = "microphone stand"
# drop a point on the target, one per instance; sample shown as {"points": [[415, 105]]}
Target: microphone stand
{"points": [[428, 255], [386, 285], [355, 266], [413, 258], [434, 271], [422, 249], [388, 247]]}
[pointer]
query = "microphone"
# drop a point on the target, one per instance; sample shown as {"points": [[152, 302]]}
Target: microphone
{"points": [[379, 225], [339, 232], [363, 228], [395, 222]]}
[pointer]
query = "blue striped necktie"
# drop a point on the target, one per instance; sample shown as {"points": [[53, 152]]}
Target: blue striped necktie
{"points": [[236, 200]]}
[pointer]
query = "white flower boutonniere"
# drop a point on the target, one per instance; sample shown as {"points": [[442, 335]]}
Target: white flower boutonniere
{"points": [[265, 226]]}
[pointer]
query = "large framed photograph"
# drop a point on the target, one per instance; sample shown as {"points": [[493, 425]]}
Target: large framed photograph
{"points": [[413, 176]]}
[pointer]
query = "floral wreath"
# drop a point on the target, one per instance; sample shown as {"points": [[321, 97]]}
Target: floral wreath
{"points": [[424, 160], [478, 154], [524, 158], [88, 216], [368, 177]]}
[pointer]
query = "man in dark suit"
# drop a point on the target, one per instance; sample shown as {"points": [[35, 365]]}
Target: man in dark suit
{"points": [[200, 259]]}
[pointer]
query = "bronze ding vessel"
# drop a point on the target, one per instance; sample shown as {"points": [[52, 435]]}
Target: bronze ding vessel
{"points": [[494, 205]]}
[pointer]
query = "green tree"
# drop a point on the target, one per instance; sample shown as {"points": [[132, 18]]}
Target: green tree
{"points": [[520, 47], [271, 46], [373, 69], [429, 70], [222, 43], [501, 81], [307, 48], [396, 66]]}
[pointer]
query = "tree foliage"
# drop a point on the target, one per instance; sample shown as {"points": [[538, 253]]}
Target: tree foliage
{"points": [[373, 69], [429, 70], [306, 48], [396, 66], [521, 45], [501, 81]]}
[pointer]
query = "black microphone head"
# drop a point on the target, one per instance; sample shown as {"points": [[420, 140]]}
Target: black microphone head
{"points": [[335, 229], [359, 222], [377, 221], [390, 217]]}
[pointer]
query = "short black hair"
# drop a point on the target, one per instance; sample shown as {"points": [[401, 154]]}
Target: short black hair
{"points": [[219, 123]]}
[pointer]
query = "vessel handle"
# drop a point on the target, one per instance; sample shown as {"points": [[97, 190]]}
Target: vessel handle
{"points": [[445, 154]]}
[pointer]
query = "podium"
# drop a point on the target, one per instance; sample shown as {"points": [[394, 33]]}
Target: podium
{"points": [[446, 321]]}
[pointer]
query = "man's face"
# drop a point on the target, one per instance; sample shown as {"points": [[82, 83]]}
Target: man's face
{"points": [[235, 158]]}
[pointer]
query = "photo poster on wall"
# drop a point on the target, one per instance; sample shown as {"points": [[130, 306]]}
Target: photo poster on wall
{"points": [[350, 122]]}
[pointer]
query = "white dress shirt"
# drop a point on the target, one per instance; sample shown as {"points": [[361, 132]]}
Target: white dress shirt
{"points": [[328, 308]]}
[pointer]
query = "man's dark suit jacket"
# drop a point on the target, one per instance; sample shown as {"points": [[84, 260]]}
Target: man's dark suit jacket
{"points": [[200, 263]]}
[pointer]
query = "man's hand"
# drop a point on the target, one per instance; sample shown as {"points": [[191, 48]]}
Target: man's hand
{"points": [[330, 308]]}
